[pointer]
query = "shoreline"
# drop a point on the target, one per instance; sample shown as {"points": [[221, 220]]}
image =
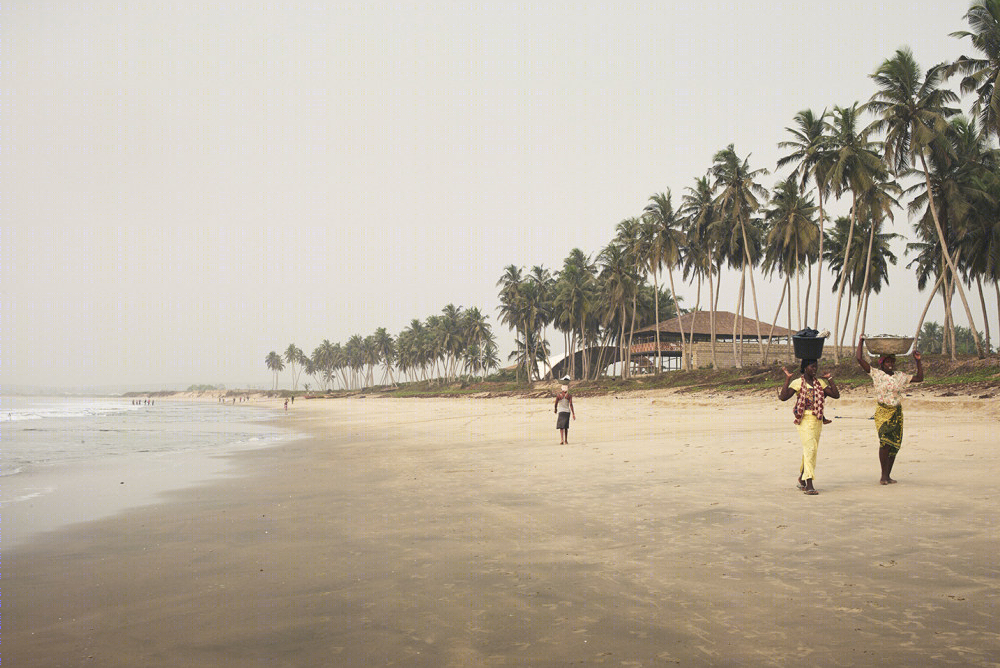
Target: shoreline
{"points": [[52, 497], [440, 532]]}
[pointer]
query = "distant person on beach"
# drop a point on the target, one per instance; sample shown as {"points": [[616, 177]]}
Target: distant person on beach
{"points": [[812, 391], [564, 408], [286, 405], [889, 385]]}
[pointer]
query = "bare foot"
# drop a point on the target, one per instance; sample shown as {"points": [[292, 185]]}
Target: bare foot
{"points": [[811, 492], [883, 482]]}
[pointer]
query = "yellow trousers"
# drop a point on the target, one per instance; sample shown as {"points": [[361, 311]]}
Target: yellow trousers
{"points": [[809, 431]]}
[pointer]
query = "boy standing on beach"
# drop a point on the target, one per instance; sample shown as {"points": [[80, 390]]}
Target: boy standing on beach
{"points": [[564, 408]]}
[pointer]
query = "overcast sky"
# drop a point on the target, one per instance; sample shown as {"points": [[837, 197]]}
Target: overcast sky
{"points": [[186, 188]]}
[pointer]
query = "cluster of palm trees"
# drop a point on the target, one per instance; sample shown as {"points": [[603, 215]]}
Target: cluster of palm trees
{"points": [[456, 342], [910, 140], [590, 302]]}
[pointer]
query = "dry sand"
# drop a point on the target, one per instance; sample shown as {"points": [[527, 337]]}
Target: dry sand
{"points": [[433, 532]]}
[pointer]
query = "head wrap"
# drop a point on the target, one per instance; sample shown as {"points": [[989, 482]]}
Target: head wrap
{"points": [[883, 358]]}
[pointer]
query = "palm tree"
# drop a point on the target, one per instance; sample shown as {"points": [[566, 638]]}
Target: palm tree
{"points": [[450, 337], [618, 286], [323, 358], [275, 364], [478, 334], [737, 200], [982, 75], [511, 301], [354, 353], [702, 233], [913, 110], [812, 156], [575, 303], [853, 274], [930, 338], [793, 235], [664, 243], [294, 356], [630, 239], [386, 348], [876, 204], [539, 306], [855, 166], [963, 180], [369, 358], [977, 182]]}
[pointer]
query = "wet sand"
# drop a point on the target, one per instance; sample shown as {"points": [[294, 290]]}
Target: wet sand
{"points": [[458, 532]]}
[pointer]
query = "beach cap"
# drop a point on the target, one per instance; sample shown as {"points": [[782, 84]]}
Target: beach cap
{"points": [[566, 377]]}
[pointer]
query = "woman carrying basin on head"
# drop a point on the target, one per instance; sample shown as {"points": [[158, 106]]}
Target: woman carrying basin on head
{"points": [[889, 385], [812, 392]]}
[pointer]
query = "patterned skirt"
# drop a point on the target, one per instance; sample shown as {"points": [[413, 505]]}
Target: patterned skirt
{"points": [[889, 423]]}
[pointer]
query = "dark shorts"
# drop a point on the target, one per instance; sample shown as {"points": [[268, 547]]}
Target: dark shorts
{"points": [[563, 421]]}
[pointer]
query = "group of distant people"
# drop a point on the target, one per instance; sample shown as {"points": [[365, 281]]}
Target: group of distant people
{"points": [[143, 402], [813, 389], [223, 399]]}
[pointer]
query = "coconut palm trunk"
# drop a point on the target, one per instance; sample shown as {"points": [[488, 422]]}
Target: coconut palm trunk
{"points": [[923, 314], [631, 332], [713, 299], [737, 353], [753, 289], [843, 281], [819, 260], [791, 355], [986, 319], [847, 319], [656, 310], [680, 323], [863, 297], [777, 314], [621, 348], [949, 315]]}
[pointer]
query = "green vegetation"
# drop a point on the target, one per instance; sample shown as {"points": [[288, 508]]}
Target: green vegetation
{"points": [[205, 388]]}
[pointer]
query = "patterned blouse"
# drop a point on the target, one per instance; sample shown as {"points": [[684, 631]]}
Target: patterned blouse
{"points": [[796, 385], [888, 389]]}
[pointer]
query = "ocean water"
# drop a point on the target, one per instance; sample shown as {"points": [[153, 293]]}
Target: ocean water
{"points": [[68, 460]]}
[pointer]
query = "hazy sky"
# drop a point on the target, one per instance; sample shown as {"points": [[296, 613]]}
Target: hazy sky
{"points": [[186, 188]]}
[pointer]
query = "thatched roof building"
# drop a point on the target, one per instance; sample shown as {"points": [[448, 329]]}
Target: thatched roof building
{"points": [[700, 323]]}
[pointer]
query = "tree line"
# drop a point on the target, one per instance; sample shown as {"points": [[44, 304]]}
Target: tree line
{"points": [[910, 146], [456, 342]]}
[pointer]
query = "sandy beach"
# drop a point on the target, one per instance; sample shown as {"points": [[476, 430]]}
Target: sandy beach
{"points": [[458, 532]]}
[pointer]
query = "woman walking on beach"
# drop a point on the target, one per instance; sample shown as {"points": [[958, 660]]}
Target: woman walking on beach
{"points": [[808, 411], [564, 408], [889, 385]]}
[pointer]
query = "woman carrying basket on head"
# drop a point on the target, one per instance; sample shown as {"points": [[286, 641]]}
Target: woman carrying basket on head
{"points": [[808, 411], [889, 385]]}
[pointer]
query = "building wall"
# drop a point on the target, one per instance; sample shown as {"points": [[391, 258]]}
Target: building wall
{"points": [[701, 354]]}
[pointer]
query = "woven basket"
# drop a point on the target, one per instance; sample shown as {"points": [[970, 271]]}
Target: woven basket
{"points": [[889, 345]]}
